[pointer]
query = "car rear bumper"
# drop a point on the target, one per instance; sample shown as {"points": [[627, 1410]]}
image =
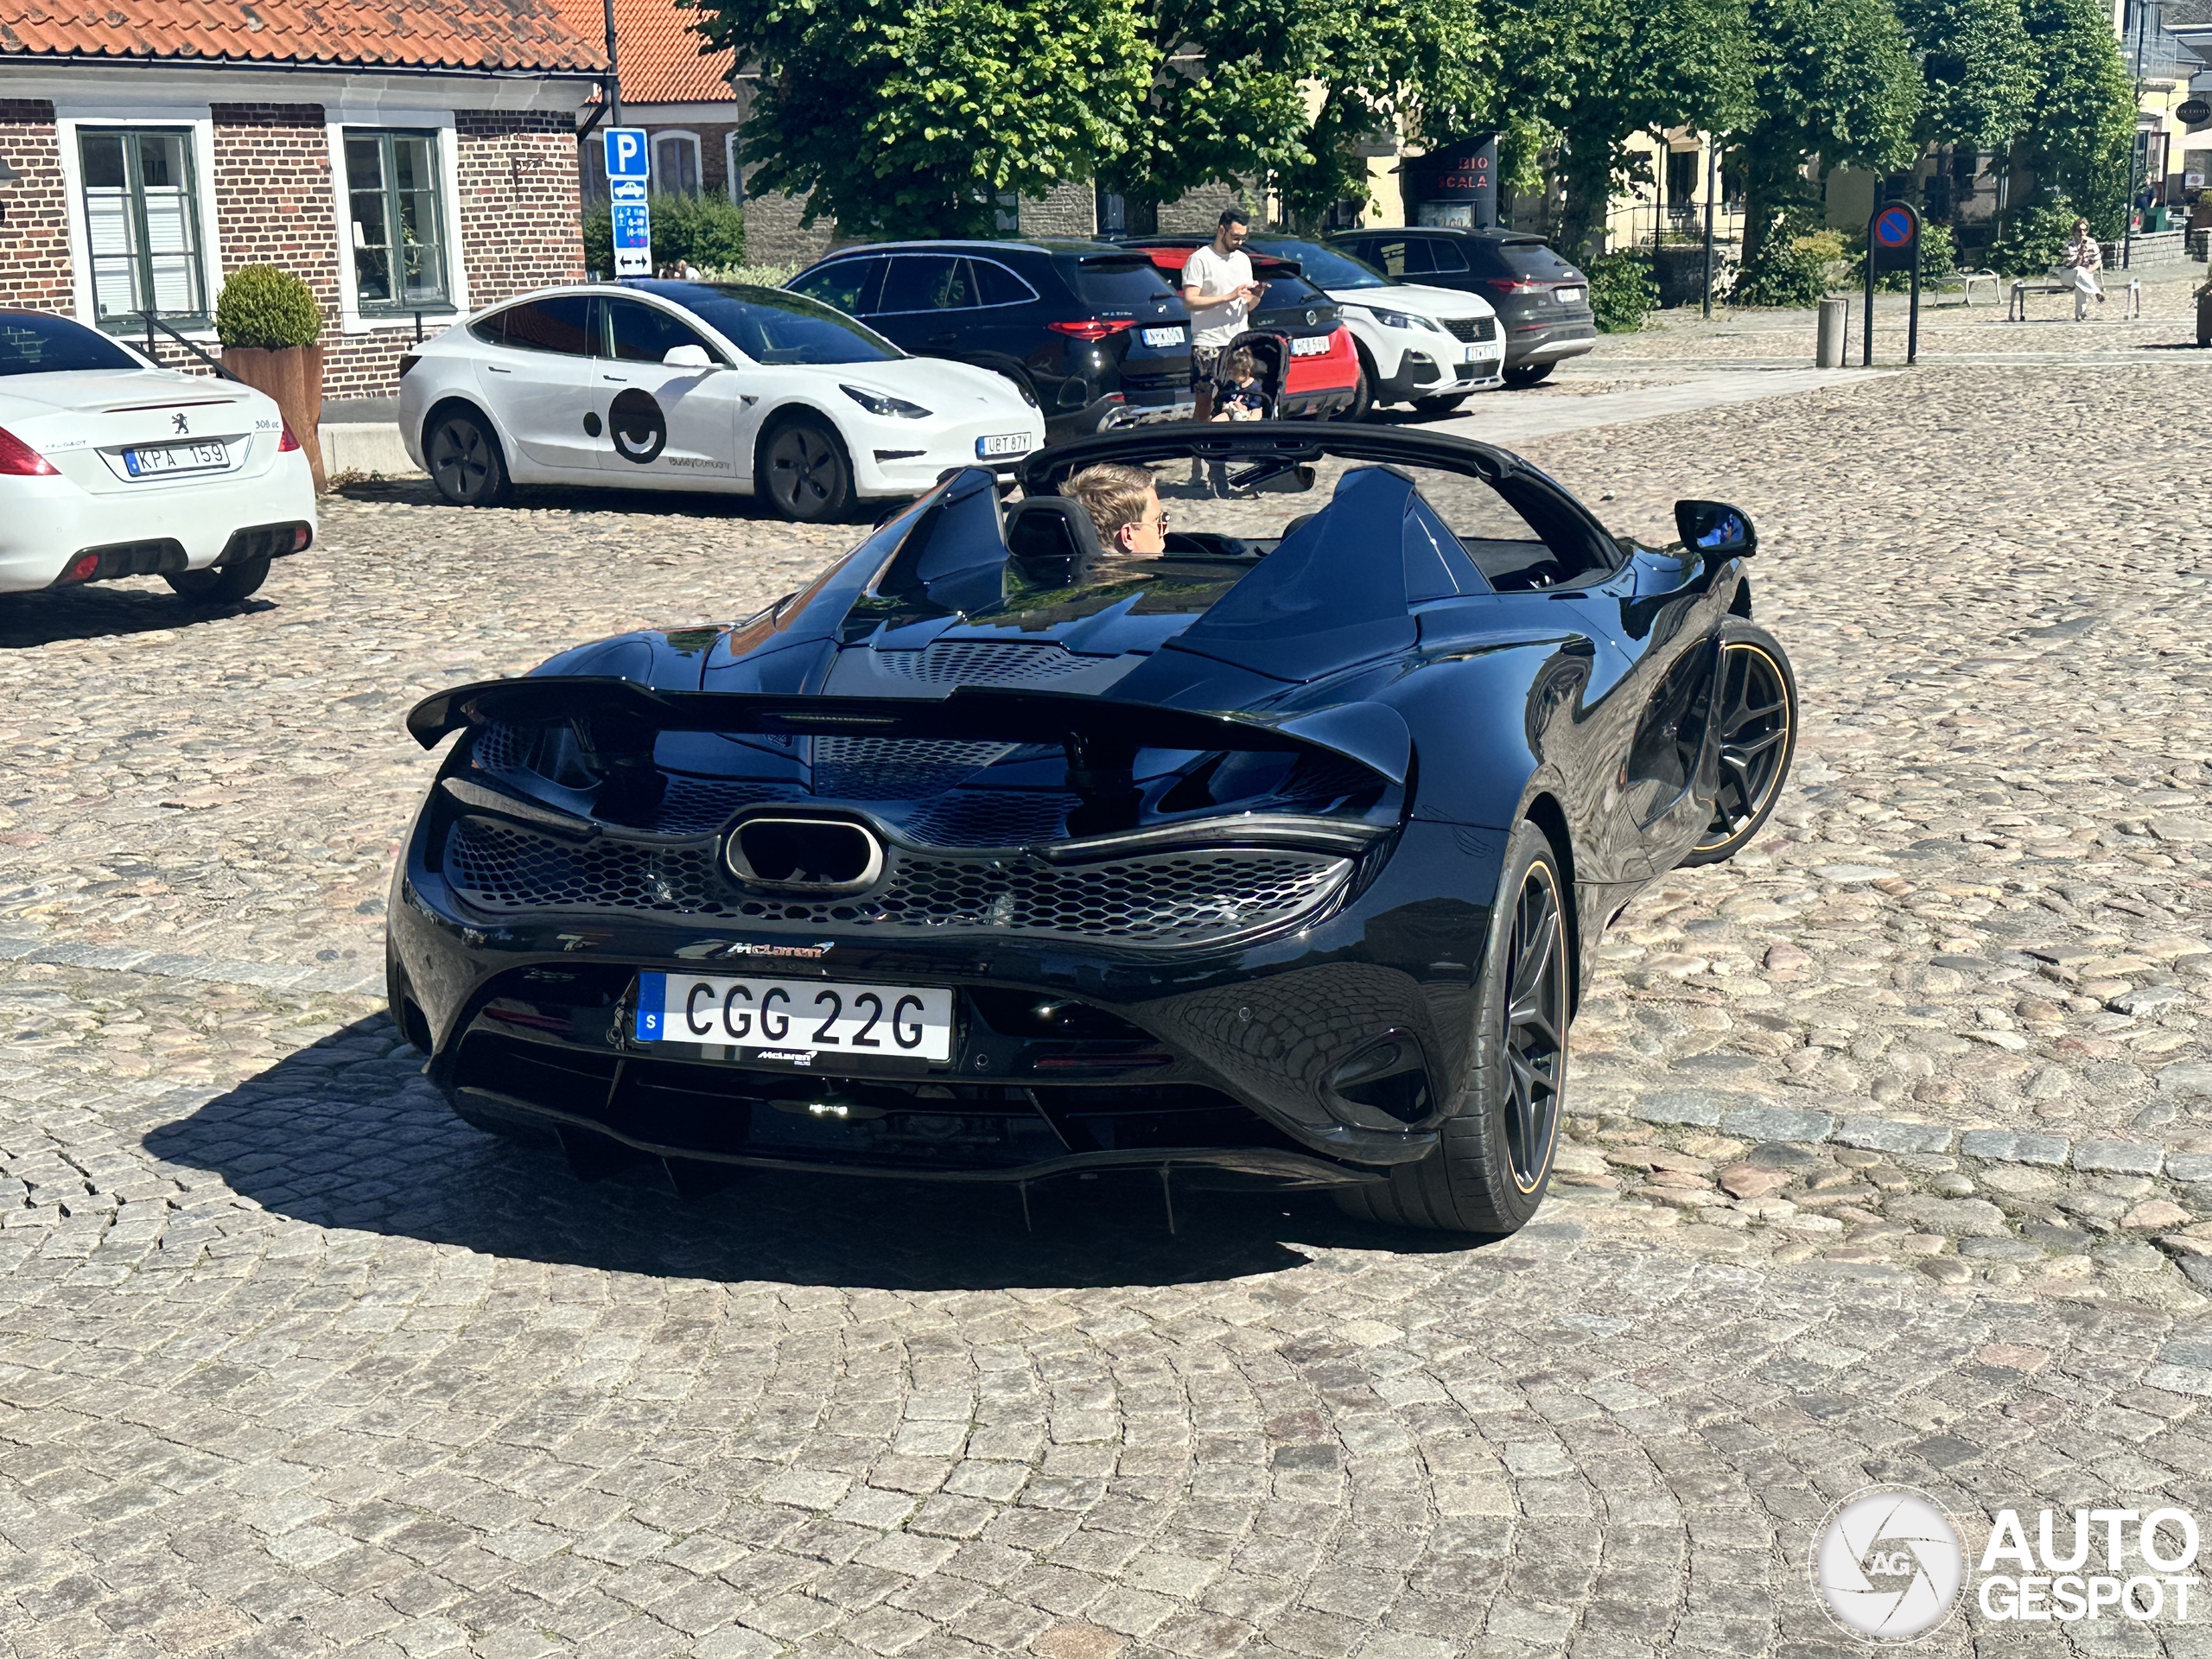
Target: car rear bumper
{"points": [[1551, 345], [1220, 1058], [50, 522]]}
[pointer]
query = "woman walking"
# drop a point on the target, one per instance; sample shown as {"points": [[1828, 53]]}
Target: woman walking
{"points": [[2079, 265]]}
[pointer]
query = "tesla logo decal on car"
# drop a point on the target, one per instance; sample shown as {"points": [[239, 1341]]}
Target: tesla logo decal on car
{"points": [[176, 423], [640, 430]]}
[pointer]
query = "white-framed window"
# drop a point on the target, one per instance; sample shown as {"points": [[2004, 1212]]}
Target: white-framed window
{"points": [[734, 169], [141, 217], [676, 163], [397, 223], [396, 210]]}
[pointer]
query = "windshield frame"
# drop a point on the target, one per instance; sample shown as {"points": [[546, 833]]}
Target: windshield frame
{"points": [[682, 296], [1301, 252]]}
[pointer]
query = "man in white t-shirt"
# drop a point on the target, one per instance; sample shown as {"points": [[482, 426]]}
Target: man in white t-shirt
{"points": [[1218, 289]]}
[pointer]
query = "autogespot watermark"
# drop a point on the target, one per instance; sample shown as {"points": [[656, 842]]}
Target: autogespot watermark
{"points": [[1889, 1565]]}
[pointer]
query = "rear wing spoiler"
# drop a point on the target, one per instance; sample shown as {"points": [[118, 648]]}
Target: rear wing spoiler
{"points": [[1101, 736]]}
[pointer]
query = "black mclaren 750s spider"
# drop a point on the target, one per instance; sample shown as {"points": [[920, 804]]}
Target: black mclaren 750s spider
{"points": [[1002, 852]]}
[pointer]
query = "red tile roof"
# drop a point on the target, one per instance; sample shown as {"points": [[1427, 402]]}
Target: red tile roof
{"points": [[424, 34], [655, 50]]}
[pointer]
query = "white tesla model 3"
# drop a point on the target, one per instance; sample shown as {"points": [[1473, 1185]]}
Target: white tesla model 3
{"points": [[111, 466], [698, 386]]}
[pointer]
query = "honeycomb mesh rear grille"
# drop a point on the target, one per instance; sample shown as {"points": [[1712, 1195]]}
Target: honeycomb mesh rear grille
{"points": [[1180, 897], [992, 817], [896, 768], [979, 662]]}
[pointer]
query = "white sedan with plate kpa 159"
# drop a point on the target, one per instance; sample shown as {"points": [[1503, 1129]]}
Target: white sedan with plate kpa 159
{"points": [[111, 466], [698, 386]]}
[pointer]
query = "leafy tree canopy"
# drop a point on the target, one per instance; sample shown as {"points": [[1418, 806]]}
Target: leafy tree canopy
{"points": [[909, 117], [1833, 81], [1978, 72], [2080, 128]]}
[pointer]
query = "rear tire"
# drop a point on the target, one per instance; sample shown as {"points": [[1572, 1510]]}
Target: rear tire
{"points": [[805, 473], [465, 460], [1757, 710], [1527, 375], [1443, 406], [223, 584], [1492, 1161]]}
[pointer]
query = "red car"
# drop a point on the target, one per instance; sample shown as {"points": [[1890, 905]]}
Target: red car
{"points": [[1307, 360]]}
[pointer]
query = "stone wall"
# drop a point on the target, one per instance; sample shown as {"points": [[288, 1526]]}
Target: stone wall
{"points": [[1066, 210], [773, 235]]}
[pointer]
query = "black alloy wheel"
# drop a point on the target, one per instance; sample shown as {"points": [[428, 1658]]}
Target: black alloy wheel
{"points": [[1526, 375], [221, 584], [804, 471], [1757, 712], [1492, 1160], [1535, 1027], [465, 461]]}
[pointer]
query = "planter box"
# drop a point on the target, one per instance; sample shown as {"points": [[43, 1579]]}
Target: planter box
{"points": [[293, 376]]}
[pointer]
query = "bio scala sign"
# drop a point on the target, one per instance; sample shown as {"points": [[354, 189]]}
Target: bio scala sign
{"points": [[629, 177]]}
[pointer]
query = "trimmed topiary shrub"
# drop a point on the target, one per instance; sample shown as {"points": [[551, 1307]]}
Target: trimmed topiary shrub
{"points": [[708, 230], [1624, 290], [263, 307]]}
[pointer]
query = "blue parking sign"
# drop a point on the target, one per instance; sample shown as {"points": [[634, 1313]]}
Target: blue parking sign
{"points": [[629, 172], [626, 155]]}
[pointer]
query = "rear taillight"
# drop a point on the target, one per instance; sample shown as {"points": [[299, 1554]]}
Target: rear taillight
{"points": [[408, 360], [19, 459], [287, 442], [1512, 285], [1099, 328], [83, 567]]}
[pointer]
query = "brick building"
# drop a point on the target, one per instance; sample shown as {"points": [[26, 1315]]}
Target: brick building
{"points": [[412, 159]]}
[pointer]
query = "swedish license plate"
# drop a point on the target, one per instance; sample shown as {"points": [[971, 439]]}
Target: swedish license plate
{"points": [[1163, 336], [1318, 345], [1569, 296], [1005, 443], [176, 458], [795, 1018]]}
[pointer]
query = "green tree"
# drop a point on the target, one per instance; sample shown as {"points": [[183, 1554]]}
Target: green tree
{"points": [[911, 117], [1833, 82], [2082, 122], [1978, 72], [1599, 73]]}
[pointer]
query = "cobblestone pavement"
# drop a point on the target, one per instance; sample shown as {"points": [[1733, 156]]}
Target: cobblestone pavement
{"points": [[1889, 1158]]}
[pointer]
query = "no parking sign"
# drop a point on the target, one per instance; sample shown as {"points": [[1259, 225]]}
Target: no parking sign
{"points": [[1892, 239]]}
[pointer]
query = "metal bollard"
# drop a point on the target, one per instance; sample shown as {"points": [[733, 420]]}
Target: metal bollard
{"points": [[1835, 319]]}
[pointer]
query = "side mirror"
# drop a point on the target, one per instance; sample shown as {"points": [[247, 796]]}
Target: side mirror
{"points": [[1715, 529], [687, 357]]}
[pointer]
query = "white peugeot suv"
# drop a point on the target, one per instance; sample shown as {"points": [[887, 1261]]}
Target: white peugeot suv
{"points": [[1427, 346]]}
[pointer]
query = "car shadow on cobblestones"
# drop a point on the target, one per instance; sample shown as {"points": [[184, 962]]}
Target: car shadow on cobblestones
{"points": [[683, 504], [345, 1134], [106, 611]]}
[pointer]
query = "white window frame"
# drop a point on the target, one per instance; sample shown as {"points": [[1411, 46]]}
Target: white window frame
{"points": [[350, 320], [659, 136], [201, 118], [732, 171]]}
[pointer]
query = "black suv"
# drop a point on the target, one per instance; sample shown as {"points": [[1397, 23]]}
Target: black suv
{"points": [[1093, 332], [1542, 303]]}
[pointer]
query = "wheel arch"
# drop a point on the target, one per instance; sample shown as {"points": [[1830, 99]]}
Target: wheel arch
{"points": [[1544, 811], [452, 402]]}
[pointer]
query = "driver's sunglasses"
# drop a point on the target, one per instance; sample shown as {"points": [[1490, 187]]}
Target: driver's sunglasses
{"points": [[1162, 520]]}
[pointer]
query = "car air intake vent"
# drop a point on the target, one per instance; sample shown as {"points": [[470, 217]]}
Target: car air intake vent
{"points": [[978, 662], [1201, 897], [896, 768], [1472, 328], [992, 817]]}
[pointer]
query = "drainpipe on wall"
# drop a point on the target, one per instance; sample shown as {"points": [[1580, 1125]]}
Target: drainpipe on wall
{"points": [[614, 67]]}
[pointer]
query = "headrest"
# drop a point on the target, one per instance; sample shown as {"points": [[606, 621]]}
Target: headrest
{"points": [[1053, 542]]}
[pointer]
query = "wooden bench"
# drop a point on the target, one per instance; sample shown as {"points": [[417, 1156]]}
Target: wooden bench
{"points": [[1964, 280], [2015, 310]]}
